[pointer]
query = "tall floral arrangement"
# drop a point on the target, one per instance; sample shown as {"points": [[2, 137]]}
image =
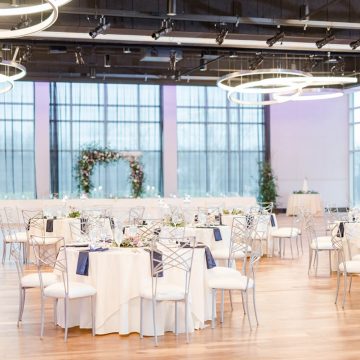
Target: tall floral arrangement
{"points": [[90, 155]]}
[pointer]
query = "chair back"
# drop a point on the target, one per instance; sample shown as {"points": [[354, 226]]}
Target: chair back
{"points": [[352, 236], [79, 231], [211, 215], [150, 229], [12, 217], [50, 253], [34, 221], [136, 215], [171, 253]]}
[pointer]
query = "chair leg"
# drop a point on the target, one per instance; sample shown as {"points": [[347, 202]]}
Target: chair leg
{"points": [[154, 321], [350, 283], [4, 253], [66, 309], [231, 302], [213, 306], [254, 302], [176, 318], [247, 308], [330, 261], [141, 318], [317, 262], [337, 286], [344, 292], [20, 305], [222, 306], [243, 302], [187, 319], [310, 259], [42, 317], [291, 249], [93, 315], [297, 246], [55, 311]]}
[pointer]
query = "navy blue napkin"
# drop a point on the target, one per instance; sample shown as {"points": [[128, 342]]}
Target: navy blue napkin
{"points": [[210, 261], [49, 225], [272, 220], [340, 232], [83, 223], [82, 267], [217, 234], [112, 223]]}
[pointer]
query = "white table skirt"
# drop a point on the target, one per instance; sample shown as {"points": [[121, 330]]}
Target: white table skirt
{"points": [[118, 275], [311, 202]]}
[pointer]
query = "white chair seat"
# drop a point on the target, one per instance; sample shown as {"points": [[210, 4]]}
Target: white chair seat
{"points": [[356, 257], [285, 232], [352, 266], [322, 244], [32, 280], [228, 279], [76, 290], [223, 253], [165, 292], [46, 241], [19, 237]]}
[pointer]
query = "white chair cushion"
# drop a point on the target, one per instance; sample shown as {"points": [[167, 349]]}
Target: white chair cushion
{"points": [[164, 292], [44, 241], [356, 257], [322, 243], [228, 279], [76, 290], [32, 280], [222, 253], [285, 232], [19, 237], [352, 266]]}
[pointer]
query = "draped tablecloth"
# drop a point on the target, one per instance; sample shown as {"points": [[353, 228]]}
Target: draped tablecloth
{"points": [[311, 202], [118, 275]]}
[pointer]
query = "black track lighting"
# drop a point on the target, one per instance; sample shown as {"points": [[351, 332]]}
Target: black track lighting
{"points": [[24, 22], [167, 26], [100, 28], [223, 31], [322, 42], [107, 63], [256, 62], [355, 44], [79, 60], [278, 37], [203, 65]]}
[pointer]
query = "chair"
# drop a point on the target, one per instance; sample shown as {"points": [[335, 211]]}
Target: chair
{"points": [[12, 236], [209, 215], [262, 229], [347, 265], [287, 234], [28, 281], [331, 215], [167, 254], [136, 215], [317, 243], [47, 256], [229, 278]]}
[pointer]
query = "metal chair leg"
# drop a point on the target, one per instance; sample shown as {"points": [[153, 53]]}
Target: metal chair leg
{"points": [[186, 319], [344, 293], [154, 321], [93, 315], [22, 303], [310, 260], [247, 308], [330, 261], [66, 315], [176, 318], [351, 277], [337, 286], [291, 249], [20, 306], [55, 311], [254, 302], [213, 307], [4, 253], [231, 302], [42, 317], [222, 306], [243, 302], [141, 318]]}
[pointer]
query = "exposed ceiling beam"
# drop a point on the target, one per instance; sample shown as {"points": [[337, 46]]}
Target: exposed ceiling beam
{"points": [[217, 19]]}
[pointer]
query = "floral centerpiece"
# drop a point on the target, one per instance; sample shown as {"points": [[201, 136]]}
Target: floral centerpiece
{"points": [[305, 192], [134, 241], [174, 221], [90, 155], [233, 211], [73, 213]]}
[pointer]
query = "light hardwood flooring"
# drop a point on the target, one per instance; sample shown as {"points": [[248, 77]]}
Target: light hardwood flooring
{"points": [[297, 314]]}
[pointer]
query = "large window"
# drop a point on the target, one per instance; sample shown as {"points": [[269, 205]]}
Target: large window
{"points": [[122, 117], [219, 144], [17, 154], [355, 148]]}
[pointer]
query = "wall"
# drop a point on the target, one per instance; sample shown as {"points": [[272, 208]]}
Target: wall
{"points": [[310, 139]]}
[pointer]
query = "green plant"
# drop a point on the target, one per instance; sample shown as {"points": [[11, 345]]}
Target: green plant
{"points": [[267, 184]]}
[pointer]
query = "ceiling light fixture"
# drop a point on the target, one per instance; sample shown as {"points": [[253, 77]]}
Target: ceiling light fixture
{"points": [[167, 25], [328, 38], [107, 63], [24, 28], [12, 69], [6, 47], [126, 50], [278, 37], [93, 72], [312, 94], [222, 33], [355, 44], [101, 28], [172, 60], [171, 7], [6, 84], [256, 62], [203, 65], [79, 60]]}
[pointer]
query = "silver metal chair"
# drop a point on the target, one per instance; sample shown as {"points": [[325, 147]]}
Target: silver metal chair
{"points": [[167, 254], [47, 256], [136, 215]]}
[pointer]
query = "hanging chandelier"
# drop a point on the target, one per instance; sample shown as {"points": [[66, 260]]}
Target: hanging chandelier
{"points": [[280, 85], [23, 28]]}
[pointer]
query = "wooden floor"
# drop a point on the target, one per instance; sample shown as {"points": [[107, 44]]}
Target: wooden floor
{"points": [[298, 320]]}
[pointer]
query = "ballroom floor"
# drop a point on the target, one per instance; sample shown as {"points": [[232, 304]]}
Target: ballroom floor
{"points": [[298, 320]]}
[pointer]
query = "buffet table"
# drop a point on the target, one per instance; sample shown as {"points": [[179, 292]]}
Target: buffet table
{"points": [[311, 202]]}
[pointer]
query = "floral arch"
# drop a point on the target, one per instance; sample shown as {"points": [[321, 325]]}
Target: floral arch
{"points": [[92, 155]]}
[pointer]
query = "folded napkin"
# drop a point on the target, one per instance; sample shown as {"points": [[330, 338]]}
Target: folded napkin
{"points": [[272, 220], [156, 260], [217, 234], [341, 229], [82, 267], [49, 225], [83, 223], [210, 262], [112, 223]]}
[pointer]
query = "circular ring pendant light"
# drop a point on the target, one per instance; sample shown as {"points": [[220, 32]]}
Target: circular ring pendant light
{"points": [[311, 94], [12, 70], [6, 84], [48, 5]]}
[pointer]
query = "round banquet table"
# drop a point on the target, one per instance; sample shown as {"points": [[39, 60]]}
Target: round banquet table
{"points": [[311, 202], [118, 275]]}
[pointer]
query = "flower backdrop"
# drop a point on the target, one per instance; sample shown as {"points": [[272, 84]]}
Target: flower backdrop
{"points": [[90, 155]]}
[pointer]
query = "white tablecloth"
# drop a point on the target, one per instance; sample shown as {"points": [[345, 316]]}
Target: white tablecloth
{"points": [[118, 275], [310, 202]]}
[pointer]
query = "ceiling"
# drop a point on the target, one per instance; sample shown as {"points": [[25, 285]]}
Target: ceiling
{"points": [[52, 54]]}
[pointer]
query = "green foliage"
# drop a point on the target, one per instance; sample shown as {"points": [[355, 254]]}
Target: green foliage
{"points": [[267, 184]]}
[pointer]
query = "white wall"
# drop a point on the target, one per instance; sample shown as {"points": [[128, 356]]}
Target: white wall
{"points": [[310, 139]]}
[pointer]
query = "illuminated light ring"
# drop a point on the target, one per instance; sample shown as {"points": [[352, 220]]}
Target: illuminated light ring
{"points": [[312, 94], [50, 20], [231, 96], [331, 80], [243, 74], [10, 83], [20, 70], [31, 9]]}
